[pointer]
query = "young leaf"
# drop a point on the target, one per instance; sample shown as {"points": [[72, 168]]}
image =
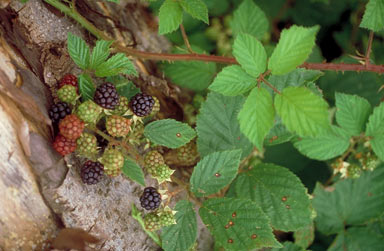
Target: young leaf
{"points": [[352, 112], [324, 147], [289, 246], [375, 129], [294, 47], [133, 171], [86, 87], [124, 86], [349, 202], [302, 111], [237, 224], [305, 236], [257, 115], [373, 18], [169, 133], [100, 53], [217, 126], [250, 54], [214, 172], [249, 18], [297, 77], [358, 238], [232, 81], [170, 16], [78, 50], [196, 8], [181, 236], [279, 193], [196, 76], [116, 64]]}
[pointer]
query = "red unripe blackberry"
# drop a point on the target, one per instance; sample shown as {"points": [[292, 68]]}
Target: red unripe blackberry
{"points": [[71, 127], [150, 199], [91, 172], [106, 96], [69, 79], [141, 104], [64, 145], [58, 111]]}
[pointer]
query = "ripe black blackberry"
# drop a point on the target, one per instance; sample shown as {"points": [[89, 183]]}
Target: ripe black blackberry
{"points": [[150, 199], [141, 104], [92, 172], [106, 96], [58, 111]]}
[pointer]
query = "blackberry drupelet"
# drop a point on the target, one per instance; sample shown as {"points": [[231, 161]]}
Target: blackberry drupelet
{"points": [[141, 104], [106, 96], [92, 172], [150, 199], [58, 111]]}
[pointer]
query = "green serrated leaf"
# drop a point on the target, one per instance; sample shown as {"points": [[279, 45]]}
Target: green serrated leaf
{"points": [[250, 54], [373, 18], [78, 50], [359, 239], [133, 171], [232, 81], [278, 134], [100, 53], [170, 16], [349, 202], [257, 116], [196, 76], [287, 204], [181, 236], [297, 77], [375, 129], [294, 47], [249, 18], [124, 87], [116, 64], [249, 229], [352, 112], [323, 147], [214, 172], [289, 246], [196, 8], [377, 144], [302, 111], [169, 133], [305, 236], [86, 87], [217, 125]]}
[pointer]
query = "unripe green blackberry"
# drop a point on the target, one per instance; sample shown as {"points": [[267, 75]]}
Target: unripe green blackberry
{"points": [[188, 154], [122, 107], [152, 160], [118, 126], [156, 107], [89, 111], [167, 218], [86, 145], [152, 222], [113, 161], [162, 173], [353, 171], [68, 94]]}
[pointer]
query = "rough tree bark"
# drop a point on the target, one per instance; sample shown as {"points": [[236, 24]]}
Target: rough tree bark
{"points": [[42, 192]]}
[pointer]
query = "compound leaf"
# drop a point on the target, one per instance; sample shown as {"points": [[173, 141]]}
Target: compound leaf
{"points": [[118, 63], [237, 224], [100, 53], [279, 193], [214, 172], [297, 77], [169, 133], [182, 235], [294, 47], [302, 111], [257, 115]]}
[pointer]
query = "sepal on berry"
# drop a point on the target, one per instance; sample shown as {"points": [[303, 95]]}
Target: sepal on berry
{"points": [[163, 173]]}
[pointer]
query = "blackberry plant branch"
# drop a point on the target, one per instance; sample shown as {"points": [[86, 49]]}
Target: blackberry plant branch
{"points": [[185, 38], [369, 48], [199, 57]]}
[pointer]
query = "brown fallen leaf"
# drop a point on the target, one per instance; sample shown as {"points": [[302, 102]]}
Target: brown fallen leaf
{"points": [[73, 238]]}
